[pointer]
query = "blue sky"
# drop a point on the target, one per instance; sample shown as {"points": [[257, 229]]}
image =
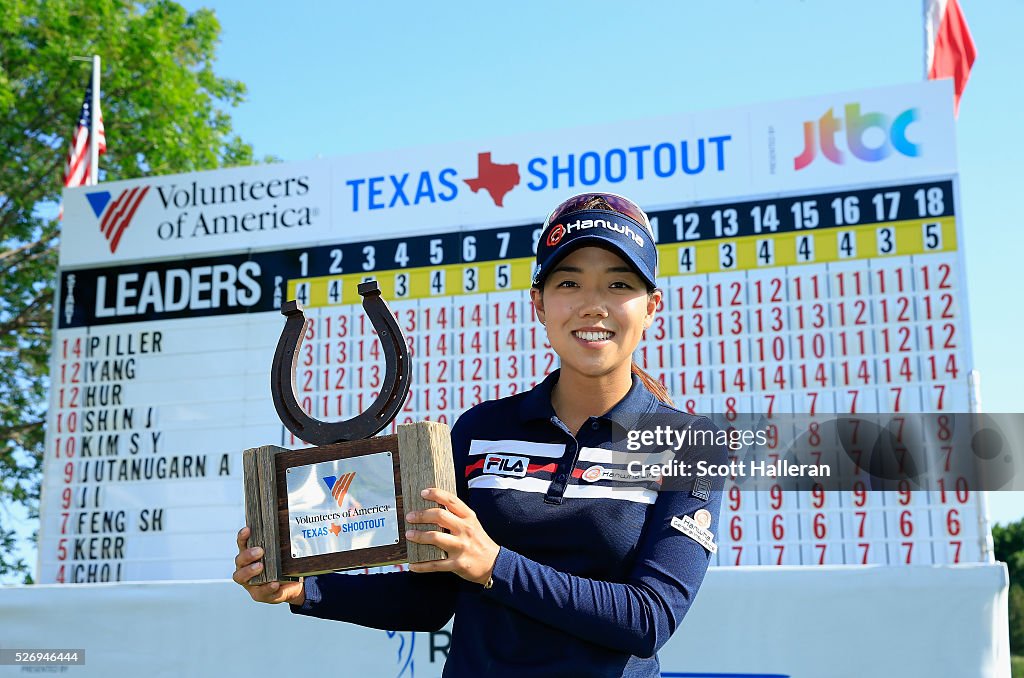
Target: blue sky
{"points": [[330, 79]]}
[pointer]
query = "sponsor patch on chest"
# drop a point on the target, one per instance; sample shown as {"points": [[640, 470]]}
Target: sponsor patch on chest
{"points": [[506, 465], [692, 529], [598, 472]]}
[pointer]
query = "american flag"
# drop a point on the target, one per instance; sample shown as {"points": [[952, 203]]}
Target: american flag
{"points": [[78, 171]]}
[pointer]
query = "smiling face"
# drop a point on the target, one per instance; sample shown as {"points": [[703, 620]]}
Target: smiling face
{"points": [[595, 308]]}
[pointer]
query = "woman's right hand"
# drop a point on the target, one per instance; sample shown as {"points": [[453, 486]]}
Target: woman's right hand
{"points": [[247, 566]]}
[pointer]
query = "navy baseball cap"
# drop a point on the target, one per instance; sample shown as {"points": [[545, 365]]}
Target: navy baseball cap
{"points": [[603, 220]]}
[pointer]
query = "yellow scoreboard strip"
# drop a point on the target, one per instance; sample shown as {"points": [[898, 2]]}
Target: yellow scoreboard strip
{"points": [[903, 238], [810, 246], [416, 283]]}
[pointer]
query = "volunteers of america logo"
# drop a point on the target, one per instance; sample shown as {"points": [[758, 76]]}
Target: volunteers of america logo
{"points": [[116, 215], [339, 486]]}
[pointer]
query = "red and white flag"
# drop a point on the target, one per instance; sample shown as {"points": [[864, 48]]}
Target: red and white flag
{"points": [[949, 49], [79, 170]]}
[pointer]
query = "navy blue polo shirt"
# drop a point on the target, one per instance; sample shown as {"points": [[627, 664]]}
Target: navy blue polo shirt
{"points": [[592, 577]]}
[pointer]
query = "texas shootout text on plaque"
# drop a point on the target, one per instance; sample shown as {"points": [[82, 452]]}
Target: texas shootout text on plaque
{"points": [[342, 504]]}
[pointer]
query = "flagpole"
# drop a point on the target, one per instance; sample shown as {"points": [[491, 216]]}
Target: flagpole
{"points": [[94, 115], [927, 35]]}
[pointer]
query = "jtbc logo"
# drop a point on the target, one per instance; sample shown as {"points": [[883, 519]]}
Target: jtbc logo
{"points": [[857, 126]]}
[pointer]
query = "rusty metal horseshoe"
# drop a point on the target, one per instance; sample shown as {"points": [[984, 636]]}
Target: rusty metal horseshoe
{"points": [[380, 413]]}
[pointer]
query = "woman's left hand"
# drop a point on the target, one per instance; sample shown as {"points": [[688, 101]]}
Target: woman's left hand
{"points": [[471, 553]]}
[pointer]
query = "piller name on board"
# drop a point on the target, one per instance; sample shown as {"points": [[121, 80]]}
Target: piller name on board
{"points": [[134, 343]]}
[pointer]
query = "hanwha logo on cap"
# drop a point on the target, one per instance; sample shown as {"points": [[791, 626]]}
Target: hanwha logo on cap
{"points": [[555, 235], [593, 473]]}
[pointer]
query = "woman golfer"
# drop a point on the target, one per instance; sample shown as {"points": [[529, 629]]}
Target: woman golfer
{"points": [[561, 561]]}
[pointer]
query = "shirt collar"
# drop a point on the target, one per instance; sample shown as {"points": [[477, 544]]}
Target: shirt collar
{"points": [[637, 402]]}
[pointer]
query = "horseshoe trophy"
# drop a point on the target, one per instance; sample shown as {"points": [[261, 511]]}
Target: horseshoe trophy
{"points": [[342, 504]]}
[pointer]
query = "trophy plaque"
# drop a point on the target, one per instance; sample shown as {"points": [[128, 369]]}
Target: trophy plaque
{"points": [[342, 504]]}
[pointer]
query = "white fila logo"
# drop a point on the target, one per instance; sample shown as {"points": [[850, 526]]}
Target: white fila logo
{"points": [[506, 465]]}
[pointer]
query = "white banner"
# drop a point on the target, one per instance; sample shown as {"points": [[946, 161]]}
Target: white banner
{"points": [[786, 622], [877, 135]]}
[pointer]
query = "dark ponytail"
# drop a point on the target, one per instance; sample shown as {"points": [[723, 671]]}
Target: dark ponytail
{"points": [[653, 385], [650, 383]]}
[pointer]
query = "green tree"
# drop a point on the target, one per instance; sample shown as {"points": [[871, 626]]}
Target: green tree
{"points": [[163, 111], [1009, 548]]}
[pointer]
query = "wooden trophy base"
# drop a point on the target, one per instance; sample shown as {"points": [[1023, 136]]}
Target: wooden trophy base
{"points": [[421, 457]]}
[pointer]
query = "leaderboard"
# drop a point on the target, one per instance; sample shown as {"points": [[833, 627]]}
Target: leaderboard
{"points": [[793, 305]]}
